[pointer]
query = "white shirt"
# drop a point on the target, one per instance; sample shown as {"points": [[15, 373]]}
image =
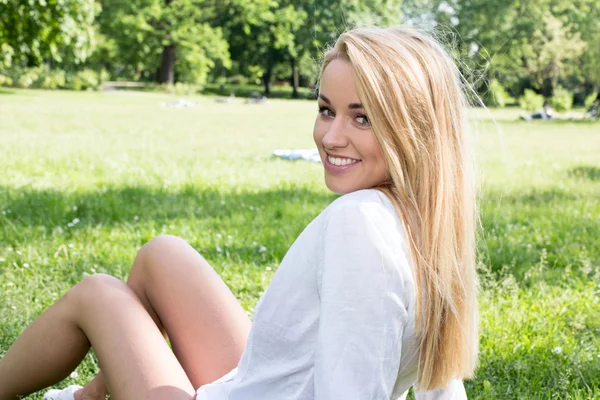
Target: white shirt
{"points": [[338, 319]]}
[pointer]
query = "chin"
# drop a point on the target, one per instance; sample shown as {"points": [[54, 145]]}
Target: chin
{"points": [[340, 188]]}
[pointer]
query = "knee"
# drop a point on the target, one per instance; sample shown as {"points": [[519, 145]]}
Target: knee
{"points": [[96, 288], [163, 244], [162, 252]]}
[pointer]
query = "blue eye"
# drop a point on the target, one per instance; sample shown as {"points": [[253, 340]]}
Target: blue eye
{"points": [[325, 111], [362, 120]]}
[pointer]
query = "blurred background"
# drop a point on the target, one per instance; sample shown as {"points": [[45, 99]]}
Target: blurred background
{"points": [[510, 50]]}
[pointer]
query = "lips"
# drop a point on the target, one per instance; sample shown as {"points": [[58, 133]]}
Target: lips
{"points": [[339, 168]]}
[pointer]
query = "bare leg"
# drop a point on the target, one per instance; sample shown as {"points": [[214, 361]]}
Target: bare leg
{"points": [[189, 302], [104, 312]]}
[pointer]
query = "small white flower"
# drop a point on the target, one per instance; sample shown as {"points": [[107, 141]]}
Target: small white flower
{"points": [[19, 252], [75, 221], [229, 237], [2, 259], [222, 202], [219, 249], [74, 374], [14, 308], [26, 265], [254, 244], [10, 284], [557, 350], [219, 235], [70, 224], [71, 245], [74, 208], [135, 218], [251, 208], [268, 268], [9, 249], [262, 249]]}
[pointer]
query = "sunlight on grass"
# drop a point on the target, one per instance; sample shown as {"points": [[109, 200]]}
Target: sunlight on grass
{"points": [[87, 178]]}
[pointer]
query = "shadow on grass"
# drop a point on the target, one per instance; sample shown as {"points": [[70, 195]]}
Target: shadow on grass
{"points": [[6, 91], [586, 172], [284, 211], [114, 205], [519, 230]]}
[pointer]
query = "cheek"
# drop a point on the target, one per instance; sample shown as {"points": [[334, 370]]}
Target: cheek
{"points": [[318, 132]]}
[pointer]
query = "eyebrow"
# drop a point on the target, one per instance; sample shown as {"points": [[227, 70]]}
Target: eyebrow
{"points": [[351, 106]]}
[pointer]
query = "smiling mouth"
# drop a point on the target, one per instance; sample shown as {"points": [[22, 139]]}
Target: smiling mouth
{"points": [[340, 161]]}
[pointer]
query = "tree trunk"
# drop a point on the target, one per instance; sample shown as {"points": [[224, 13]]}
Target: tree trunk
{"points": [[267, 77], [295, 78], [166, 71], [167, 66]]}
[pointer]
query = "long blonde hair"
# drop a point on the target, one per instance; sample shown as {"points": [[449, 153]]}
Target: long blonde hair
{"points": [[412, 93]]}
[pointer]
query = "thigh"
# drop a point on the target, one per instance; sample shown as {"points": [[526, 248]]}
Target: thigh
{"points": [[136, 361], [206, 325]]}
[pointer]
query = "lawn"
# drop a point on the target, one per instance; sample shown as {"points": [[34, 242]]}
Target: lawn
{"points": [[87, 178]]}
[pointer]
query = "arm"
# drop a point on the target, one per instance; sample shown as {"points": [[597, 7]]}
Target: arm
{"points": [[363, 309]]}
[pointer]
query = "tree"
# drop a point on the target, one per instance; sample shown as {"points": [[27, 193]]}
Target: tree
{"points": [[266, 33], [33, 32], [165, 40]]}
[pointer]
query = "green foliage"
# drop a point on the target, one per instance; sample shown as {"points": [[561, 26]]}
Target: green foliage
{"points": [[5, 80], [84, 80], [531, 101], [44, 78], [32, 32], [139, 30], [53, 79], [556, 43], [238, 80], [589, 100], [562, 101], [497, 95], [27, 79]]}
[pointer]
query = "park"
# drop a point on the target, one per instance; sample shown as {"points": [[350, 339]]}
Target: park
{"points": [[89, 176]]}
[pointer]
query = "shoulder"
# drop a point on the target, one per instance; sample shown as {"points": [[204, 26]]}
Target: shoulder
{"points": [[361, 206], [367, 217]]}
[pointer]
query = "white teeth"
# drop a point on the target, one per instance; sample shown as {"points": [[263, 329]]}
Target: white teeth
{"points": [[341, 161]]}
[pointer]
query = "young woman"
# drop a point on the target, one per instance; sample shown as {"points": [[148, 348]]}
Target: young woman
{"points": [[376, 295]]}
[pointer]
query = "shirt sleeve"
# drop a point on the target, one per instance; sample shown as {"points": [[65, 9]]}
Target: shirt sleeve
{"points": [[362, 310]]}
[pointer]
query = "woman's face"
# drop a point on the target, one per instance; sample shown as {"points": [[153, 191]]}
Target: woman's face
{"points": [[349, 151]]}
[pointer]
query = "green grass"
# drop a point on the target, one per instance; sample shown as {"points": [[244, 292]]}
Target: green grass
{"points": [[87, 178]]}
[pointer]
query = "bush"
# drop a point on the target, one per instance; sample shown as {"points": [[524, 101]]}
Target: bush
{"points": [[27, 78], [238, 80], [562, 101], [531, 101], [497, 96], [53, 79], [84, 80], [5, 80], [181, 89], [588, 100]]}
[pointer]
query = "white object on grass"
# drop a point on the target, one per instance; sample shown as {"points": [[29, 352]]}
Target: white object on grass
{"points": [[298, 154], [67, 393]]}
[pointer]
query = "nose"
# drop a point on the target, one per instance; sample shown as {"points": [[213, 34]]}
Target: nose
{"points": [[335, 136]]}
